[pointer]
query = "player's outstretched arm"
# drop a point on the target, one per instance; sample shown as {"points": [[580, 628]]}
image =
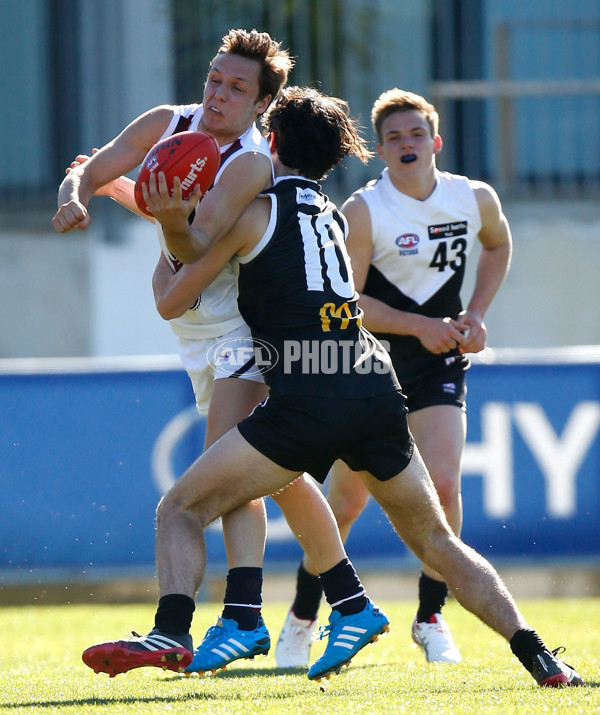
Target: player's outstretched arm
{"points": [[118, 157], [120, 189]]}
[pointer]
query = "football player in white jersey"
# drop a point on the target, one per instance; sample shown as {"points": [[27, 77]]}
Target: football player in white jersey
{"points": [[243, 78], [411, 230]]}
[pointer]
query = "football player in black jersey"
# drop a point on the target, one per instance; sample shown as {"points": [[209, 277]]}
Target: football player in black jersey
{"points": [[410, 232], [297, 293]]}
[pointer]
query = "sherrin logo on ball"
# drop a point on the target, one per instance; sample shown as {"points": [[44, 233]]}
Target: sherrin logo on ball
{"points": [[195, 170], [194, 157]]}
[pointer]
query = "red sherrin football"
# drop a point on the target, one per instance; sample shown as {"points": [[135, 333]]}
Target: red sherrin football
{"points": [[192, 156]]}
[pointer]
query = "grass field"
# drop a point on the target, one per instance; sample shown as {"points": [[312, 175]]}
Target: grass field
{"points": [[41, 669]]}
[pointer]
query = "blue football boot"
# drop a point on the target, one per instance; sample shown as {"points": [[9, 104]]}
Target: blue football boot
{"points": [[225, 642], [347, 635]]}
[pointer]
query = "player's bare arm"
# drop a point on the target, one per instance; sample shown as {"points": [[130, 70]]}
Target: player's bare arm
{"points": [[120, 189], [359, 242], [118, 157], [492, 267], [175, 292], [216, 215], [436, 334]]}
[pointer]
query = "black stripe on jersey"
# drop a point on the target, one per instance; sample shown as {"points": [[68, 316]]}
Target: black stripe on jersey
{"points": [[183, 124], [445, 303], [236, 146], [378, 286]]}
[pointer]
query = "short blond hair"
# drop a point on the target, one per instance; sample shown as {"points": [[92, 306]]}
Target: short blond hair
{"points": [[399, 100]]}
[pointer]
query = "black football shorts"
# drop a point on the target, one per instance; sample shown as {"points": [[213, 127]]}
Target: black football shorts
{"points": [[308, 433], [446, 385]]}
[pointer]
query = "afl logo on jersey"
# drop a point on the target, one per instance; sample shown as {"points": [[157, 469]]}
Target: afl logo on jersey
{"points": [[407, 243]]}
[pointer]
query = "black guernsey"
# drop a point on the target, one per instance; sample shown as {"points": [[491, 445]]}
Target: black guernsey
{"points": [[296, 292]]}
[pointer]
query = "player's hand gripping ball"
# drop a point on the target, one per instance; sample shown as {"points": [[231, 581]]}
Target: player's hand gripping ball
{"points": [[192, 156]]}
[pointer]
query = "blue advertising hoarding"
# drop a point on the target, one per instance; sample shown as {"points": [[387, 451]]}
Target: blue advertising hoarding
{"points": [[88, 446]]}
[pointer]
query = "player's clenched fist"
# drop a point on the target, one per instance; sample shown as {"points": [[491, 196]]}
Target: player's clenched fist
{"points": [[72, 215]]}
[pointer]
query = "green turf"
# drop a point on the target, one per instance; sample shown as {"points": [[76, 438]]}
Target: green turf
{"points": [[41, 669]]}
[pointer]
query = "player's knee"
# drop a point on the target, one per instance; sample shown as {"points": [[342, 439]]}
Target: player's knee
{"points": [[347, 509], [166, 508], [447, 484], [170, 508], [437, 547]]}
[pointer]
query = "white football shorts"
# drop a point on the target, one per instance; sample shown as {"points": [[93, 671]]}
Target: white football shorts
{"points": [[229, 355]]}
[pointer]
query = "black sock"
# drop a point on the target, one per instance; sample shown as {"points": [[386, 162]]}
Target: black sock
{"points": [[243, 596], [174, 614], [343, 589], [432, 597], [308, 595], [525, 645]]}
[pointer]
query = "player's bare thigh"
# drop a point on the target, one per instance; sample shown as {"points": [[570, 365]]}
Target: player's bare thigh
{"points": [[232, 400], [440, 433], [228, 474]]}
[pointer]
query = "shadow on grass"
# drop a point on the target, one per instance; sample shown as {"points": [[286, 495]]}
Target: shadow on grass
{"points": [[236, 673]]}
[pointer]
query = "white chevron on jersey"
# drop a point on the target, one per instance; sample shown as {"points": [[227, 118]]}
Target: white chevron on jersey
{"points": [[217, 312], [407, 233]]}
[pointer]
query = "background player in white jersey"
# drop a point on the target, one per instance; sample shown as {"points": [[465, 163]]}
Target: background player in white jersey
{"points": [[247, 72], [410, 233], [296, 290]]}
